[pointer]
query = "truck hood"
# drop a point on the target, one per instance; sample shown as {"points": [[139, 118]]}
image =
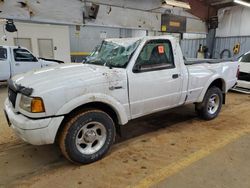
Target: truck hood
{"points": [[46, 63], [67, 76]]}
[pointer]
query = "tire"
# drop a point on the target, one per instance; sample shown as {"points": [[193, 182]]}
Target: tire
{"points": [[87, 136], [211, 105]]}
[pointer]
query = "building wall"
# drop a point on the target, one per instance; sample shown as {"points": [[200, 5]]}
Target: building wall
{"points": [[88, 37], [83, 41], [190, 46], [59, 35], [229, 42], [123, 14], [234, 21], [234, 27]]}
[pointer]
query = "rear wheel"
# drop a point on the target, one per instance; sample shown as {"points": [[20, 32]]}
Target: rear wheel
{"points": [[87, 136], [211, 104]]}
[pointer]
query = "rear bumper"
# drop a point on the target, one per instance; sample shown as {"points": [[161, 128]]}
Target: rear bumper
{"points": [[45, 129], [242, 86]]}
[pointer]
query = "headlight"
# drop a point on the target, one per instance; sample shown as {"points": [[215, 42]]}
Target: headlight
{"points": [[32, 104]]}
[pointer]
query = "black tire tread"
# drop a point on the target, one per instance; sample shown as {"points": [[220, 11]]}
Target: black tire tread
{"points": [[201, 107], [67, 126]]}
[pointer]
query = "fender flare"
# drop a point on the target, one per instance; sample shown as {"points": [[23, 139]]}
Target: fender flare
{"points": [[209, 82], [96, 97]]}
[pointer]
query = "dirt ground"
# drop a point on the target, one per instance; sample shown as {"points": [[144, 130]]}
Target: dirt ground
{"points": [[147, 146]]}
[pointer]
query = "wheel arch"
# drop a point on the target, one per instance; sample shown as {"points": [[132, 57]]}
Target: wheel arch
{"points": [[217, 82], [107, 104], [96, 105], [220, 83]]}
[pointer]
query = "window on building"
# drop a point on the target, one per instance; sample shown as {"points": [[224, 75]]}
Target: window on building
{"points": [[46, 49], [23, 42]]}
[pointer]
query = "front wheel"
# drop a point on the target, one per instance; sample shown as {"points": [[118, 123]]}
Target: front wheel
{"points": [[87, 136], [211, 104]]}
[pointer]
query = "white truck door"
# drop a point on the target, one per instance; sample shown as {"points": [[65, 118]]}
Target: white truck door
{"points": [[4, 64], [23, 61], [154, 82]]}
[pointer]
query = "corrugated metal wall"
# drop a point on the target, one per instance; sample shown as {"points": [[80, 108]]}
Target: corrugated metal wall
{"points": [[190, 46], [229, 42], [88, 37], [84, 41]]}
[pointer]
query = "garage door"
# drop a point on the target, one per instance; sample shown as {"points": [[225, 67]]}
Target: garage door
{"points": [[46, 48]]}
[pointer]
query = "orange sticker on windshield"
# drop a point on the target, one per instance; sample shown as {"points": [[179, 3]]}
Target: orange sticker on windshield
{"points": [[161, 49]]}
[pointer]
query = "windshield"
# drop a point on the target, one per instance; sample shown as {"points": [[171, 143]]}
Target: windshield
{"points": [[113, 53]]}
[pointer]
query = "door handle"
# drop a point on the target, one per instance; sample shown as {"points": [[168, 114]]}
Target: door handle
{"points": [[17, 64], [115, 87], [175, 76]]}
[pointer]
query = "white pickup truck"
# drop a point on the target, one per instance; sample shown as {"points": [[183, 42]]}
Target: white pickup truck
{"points": [[81, 107], [15, 60]]}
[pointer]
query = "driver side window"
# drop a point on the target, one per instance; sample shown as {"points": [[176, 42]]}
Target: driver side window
{"points": [[23, 55], [155, 55]]}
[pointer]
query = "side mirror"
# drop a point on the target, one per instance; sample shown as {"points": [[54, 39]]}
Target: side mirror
{"points": [[84, 60], [137, 68]]}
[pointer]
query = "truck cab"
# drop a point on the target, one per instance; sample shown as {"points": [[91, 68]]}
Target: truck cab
{"points": [[16, 60]]}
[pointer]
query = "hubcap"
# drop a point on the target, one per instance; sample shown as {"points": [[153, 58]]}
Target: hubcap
{"points": [[213, 104], [91, 137]]}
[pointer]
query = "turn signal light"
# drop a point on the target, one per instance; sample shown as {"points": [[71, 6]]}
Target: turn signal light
{"points": [[37, 105]]}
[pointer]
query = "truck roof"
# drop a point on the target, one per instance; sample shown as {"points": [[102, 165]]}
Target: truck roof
{"points": [[131, 40], [4, 46], [138, 38]]}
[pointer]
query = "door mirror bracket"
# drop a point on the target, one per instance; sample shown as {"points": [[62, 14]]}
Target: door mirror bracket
{"points": [[137, 68]]}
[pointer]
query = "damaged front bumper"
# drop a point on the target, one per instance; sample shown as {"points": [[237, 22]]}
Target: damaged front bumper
{"points": [[45, 129]]}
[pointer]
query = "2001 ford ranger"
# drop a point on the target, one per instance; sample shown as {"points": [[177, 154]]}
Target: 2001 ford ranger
{"points": [[82, 106]]}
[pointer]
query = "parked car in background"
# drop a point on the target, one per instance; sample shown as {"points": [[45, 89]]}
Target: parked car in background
{"points": [[243, 83], [81, 106], [15, 60]]}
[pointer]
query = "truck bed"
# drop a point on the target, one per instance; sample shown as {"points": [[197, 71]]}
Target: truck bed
{"points": [[202, 70]]}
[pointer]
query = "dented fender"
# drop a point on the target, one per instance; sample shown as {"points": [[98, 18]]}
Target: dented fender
{"points": [[208, 83], [96, 97]]}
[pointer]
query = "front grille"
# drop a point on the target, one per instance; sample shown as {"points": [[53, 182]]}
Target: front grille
{"points": [[244, 76], [12, 97]]}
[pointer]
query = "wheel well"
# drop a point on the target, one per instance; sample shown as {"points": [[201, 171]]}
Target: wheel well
{"points": [[93, 105], [220, 84]]}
